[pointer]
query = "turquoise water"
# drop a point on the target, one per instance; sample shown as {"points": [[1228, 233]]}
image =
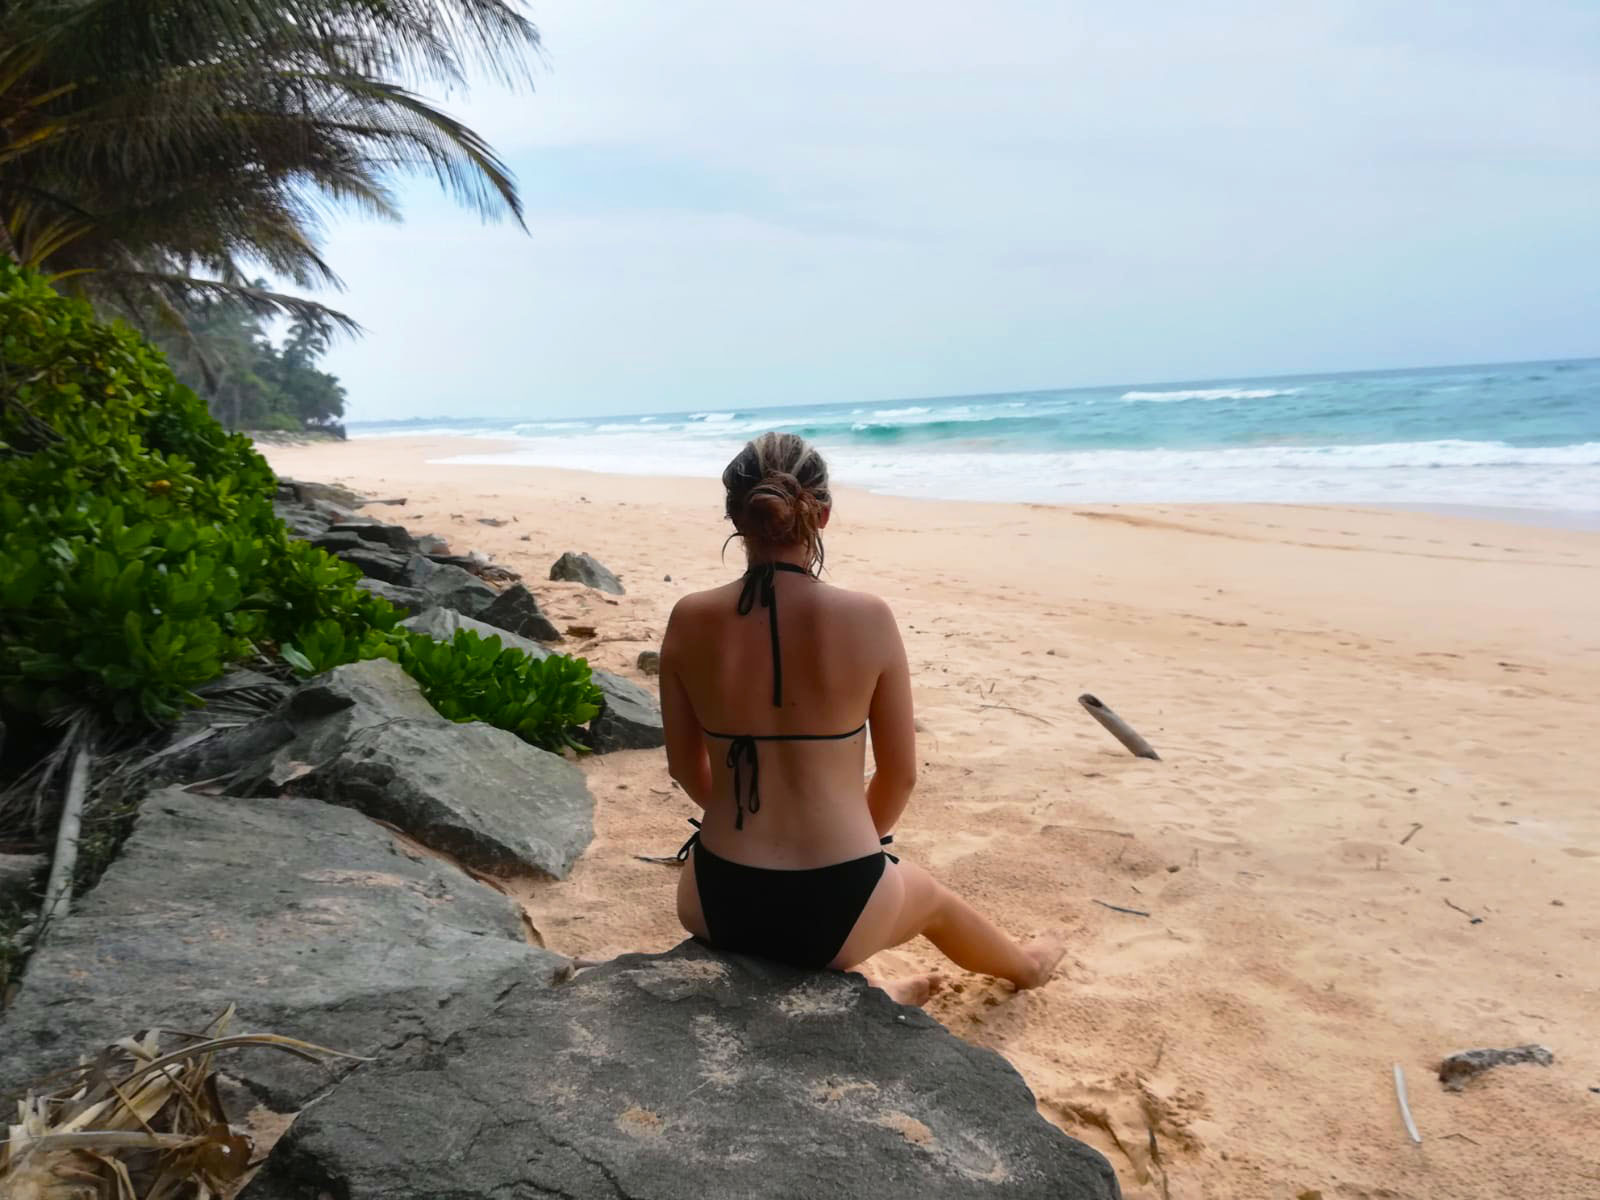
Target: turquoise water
{"points": [[1523, 435]]}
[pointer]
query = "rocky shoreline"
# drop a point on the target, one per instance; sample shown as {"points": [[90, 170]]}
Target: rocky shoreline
{"points": [[315, 865]]}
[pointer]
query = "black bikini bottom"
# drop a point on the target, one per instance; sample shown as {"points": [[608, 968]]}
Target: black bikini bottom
{"points": [[799, 917]]}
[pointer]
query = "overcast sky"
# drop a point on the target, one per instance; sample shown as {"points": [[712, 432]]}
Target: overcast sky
{"points": [[735, 203]]}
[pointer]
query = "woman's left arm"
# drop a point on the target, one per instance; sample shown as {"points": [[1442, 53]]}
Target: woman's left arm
{"points": [[688, 761]]}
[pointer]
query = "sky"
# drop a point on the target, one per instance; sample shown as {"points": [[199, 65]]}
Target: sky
{"points": [[734, 204]]}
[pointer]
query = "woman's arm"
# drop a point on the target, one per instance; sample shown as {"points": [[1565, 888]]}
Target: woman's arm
{"points": [[687, 759], [894, 734]]}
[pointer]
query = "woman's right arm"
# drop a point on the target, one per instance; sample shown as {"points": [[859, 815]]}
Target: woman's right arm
{"points": [[687, 759], [894, 733]]}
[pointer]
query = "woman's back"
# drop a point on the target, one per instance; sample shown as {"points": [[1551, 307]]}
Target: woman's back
{"points": [[770, 687], [832, 649]]}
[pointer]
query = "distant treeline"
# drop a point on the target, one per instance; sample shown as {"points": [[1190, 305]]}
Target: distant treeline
{"points": [[248, 381]]}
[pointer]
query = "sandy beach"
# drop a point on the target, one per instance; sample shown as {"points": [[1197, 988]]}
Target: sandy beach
{"points": [[1375, 726]]}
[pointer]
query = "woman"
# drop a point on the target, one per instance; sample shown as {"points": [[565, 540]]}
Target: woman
{"points": [[770, 686]]}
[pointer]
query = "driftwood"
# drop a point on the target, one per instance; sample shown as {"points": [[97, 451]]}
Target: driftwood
{"points": [[1405, 1109], [58, 891], [1132, 912], [1117, 727]]}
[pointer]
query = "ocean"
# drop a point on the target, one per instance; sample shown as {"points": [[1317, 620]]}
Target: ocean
{"points": [[1507, 436]]}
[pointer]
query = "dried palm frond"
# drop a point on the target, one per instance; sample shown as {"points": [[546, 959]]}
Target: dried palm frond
{"points": [[136, 1123]]}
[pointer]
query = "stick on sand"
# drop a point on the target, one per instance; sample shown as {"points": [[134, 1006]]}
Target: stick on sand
{"points": [[1117, 727], [1405, 1109]]}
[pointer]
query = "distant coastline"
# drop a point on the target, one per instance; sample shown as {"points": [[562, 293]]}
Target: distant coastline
{"points": [[1516, 436]]}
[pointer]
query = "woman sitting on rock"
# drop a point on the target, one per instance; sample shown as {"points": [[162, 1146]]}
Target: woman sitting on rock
{"points": [[770, 686]]}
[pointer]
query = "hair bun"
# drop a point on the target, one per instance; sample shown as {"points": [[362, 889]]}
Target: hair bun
{"points": [[777, 495], [777, 506]]}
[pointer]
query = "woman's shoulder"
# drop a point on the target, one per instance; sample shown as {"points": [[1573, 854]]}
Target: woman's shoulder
{"points": [[693, 605], [861, 605]]}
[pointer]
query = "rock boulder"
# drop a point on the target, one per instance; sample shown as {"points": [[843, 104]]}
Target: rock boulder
{"points": [[448, 586], [516, 610], [364, 737], [580, 568], [689, 1076], [631, 718], [315, 921], [407, 600]]}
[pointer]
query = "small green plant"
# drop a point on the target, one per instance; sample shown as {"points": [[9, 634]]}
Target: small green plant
{"points": [[471, 678]]}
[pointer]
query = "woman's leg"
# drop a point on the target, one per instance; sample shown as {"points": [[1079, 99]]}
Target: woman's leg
{"points": [[690, 915], [908, 901]]}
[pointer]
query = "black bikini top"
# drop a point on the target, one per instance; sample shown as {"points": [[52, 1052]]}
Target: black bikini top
{"points": [[760, 582]]}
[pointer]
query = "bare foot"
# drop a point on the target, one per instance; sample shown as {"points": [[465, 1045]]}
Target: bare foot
{"points": [[1045, 952], [910, 989]]}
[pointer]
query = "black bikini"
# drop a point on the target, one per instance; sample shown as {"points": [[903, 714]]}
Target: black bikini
{"points": [[799, 917]]}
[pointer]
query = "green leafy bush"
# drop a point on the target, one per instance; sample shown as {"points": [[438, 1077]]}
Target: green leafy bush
{"points": [[132, 528], [139, 553], [472, 678]]}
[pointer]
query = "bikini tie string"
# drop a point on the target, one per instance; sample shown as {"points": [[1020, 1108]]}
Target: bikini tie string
{"points": [[741, 752], [688, 847], [885, 840]]}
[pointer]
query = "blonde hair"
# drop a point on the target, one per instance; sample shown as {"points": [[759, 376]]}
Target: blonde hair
{"points": [[778, 495]]}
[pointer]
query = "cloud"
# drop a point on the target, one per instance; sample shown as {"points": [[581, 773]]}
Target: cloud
{"points": [[733, 204]]}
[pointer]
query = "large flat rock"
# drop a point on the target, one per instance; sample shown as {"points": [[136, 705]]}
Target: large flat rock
{"points": [[688, 1076], [315, 921], [363, 736]]}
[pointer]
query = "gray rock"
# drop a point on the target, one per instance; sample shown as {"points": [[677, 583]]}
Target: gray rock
{"points": [[469, 564], [377, 562], [517, 610], [649, 661], [329, 493], [364, 737], [631, 718], [427, 543], [20, 876], [406, 599], [337, 542], [1469, 1064], [396, 537], [580, 568], [315, 921], [441, 624], [448, 586], [301, 522], [687, 1076]]}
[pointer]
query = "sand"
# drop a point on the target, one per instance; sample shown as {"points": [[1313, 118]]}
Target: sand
{"points": [[1365, 717]]}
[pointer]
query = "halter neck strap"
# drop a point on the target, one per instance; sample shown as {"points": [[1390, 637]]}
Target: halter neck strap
{"points": [[760, 582]]}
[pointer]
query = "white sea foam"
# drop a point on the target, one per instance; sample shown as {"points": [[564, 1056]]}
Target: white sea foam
{"points": [[1491, 474], [1210, 394], [713, 418], [913, 410]]}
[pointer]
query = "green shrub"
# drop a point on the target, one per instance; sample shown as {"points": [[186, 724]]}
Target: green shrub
{"points": [[139, 553], [132, 528], [471, 678]]}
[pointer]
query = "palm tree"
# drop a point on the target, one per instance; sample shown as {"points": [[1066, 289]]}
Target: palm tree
{"points": [[155, 154]]}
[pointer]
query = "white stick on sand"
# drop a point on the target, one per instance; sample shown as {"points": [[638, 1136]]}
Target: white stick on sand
{"points": [[1405, 1109]]}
